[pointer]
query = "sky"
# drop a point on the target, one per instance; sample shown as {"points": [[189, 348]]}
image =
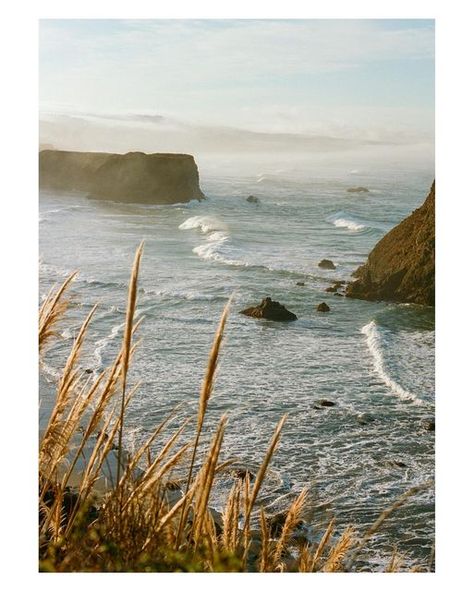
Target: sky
{"points": [[342, 78]]}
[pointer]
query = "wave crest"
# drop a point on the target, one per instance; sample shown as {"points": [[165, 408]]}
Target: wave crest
{"points": [[375, 348], [342, 220], [203, 222]]}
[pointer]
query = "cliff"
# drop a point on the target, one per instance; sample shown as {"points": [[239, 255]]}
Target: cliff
{"points": [[134, 177], [401, 267]]}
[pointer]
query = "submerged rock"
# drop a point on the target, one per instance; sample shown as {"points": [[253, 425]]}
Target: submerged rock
{"points": [[323, 307], [324, 402], [242, 473], [300, 283], [270, 310], [326, 264], [401, 267], [364, 419], [331, 289], [358, 190], [276, 522], [253, 199], [428, 424]]}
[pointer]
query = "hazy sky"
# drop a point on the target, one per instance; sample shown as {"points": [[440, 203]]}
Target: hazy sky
{"points": [[337, 77]]}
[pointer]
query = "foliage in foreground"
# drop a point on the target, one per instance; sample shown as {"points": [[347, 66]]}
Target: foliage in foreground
{"points": [[140, 522]]}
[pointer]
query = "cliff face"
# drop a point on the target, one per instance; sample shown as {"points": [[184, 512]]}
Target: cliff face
{"points": [[401, 267], [133, 178]]}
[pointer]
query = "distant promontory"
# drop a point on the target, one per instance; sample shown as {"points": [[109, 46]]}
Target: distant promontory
{"points": [[401, 267], [134, 177]]}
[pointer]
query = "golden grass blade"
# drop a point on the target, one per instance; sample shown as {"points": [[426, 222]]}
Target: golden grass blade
{"points": [[292, 518], [261, 473], [384, 516], [51, 311], [126, 347], [207, 479], [204, 397], [396, 562], [265, 551], [322, 544], [339, 551], [230, 518]]}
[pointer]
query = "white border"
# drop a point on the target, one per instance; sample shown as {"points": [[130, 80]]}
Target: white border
{"points": [[454, 281]]}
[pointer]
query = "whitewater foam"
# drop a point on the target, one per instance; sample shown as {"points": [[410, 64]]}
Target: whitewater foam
{"points": [[102, 343], [203, 222], [374, 344], [340, 220]]}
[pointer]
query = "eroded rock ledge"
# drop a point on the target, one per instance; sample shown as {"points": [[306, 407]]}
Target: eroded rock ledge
{"points": [[401, 267], [134, 177]]}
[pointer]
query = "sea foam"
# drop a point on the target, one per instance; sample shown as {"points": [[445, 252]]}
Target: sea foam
{"points": [[342, 220], [204, 223], [375, 347]]}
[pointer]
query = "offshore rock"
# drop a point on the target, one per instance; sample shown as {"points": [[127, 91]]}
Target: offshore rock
{"points": [[326, 264], [270, 310], [401, 267], [134, 177], [253, 199], [323, 307], [358, 190]]}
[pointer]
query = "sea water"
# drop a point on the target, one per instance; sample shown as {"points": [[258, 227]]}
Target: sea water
{"points": [[374, 360]]}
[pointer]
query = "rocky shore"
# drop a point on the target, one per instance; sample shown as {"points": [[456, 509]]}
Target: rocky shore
{"points": [[401, 267]]}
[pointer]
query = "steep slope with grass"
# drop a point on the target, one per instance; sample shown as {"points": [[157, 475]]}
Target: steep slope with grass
{"points": [[133, 178], [401, 267]]}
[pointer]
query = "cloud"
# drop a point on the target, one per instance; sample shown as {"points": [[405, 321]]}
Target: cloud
{"points": [[270, 75]]}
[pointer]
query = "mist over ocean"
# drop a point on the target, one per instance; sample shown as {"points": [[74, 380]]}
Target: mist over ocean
{"points": [[375, 361]]}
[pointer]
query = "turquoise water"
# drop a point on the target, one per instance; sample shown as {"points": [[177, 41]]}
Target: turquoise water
{"points": [[374, 360]]}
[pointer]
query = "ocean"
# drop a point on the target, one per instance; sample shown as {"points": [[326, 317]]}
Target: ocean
{"points": [[374, 360]]}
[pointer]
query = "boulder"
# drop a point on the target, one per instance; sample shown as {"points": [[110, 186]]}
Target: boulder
{"points": [[358, 190], [401, 267], [270, 310], [326, 264], [324, 402], [300, 283], [323, 307]]}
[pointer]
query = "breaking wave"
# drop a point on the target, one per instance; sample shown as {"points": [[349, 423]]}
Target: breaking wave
{"points": [[375, 347]]}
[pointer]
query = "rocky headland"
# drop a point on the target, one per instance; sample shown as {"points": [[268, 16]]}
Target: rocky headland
{"points": [[134, 177], [401, 267]]}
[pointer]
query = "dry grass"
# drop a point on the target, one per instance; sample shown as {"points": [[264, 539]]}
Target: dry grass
{"points": [[136, 521]]}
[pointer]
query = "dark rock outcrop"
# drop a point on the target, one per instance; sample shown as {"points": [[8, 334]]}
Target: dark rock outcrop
{"points": [[132, 178], [323, 403], [326, 264], [323, 307], [358, 190], [401, 267], [270, 310]]}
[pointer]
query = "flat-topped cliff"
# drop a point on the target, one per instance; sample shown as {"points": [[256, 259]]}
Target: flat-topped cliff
{"points": [[401, 267], [134, 177]]}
